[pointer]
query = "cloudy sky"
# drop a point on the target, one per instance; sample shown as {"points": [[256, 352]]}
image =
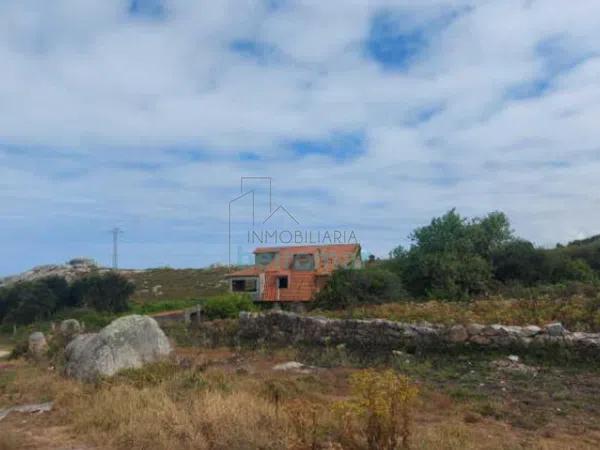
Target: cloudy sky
{"points": [[368, 115]]}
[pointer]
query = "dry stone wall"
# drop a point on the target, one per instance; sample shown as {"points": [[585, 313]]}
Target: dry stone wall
{"points": [[283, 328]]}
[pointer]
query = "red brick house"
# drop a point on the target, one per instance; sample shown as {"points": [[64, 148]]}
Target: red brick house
{"points": [[293, 274]]}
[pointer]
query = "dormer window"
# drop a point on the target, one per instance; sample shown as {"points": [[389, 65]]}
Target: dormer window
{"points": [[304, 262], [264, 259]]}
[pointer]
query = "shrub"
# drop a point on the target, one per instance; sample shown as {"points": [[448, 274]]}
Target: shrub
{"points": [[27, 302], [350, 287], [379, 413], [107, 292], [227, 306]]}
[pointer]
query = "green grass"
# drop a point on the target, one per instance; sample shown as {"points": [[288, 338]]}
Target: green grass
{"points": [[182, 284], [165, 305]]}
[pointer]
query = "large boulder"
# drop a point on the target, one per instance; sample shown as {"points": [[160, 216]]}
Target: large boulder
{"points": [[127, 343]]}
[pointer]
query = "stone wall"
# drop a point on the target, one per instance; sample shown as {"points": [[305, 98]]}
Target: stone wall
{"points": [[283, 328]]}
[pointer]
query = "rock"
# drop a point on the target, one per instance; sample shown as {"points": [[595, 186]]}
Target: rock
{"points": [[70, 328], [507, 365], [127, 343], [531, 330], [157, 290], [458, 334], [28, 409], [555, 329], [293, 366], [514, 358], [70, 271], [474, 329], [37, 345], [480, 340]]}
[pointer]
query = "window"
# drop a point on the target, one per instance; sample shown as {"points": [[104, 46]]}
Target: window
{"points": [[248, 285], [304, 262], [263, 259], [282, 282]]}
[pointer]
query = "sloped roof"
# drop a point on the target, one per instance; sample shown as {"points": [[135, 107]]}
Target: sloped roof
{"points": [[327, 258]]}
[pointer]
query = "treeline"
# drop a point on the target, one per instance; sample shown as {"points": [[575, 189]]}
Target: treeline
{"points": [[457, 258], [26, 302]]}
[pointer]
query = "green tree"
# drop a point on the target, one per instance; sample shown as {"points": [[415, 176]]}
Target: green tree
{"points": [[350, 287], [519, 261], [108, 292], [451, 257], [27, 302]]}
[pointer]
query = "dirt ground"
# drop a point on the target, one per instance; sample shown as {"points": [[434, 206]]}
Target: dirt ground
{"points": [[474, 400]]}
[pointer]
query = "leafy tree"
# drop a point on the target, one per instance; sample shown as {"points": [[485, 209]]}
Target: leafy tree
{"points": [[451, 257], [108, 292], [350, 287], [519, 261], [27, 302]]}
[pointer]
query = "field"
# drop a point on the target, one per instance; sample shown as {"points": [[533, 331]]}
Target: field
{"points": [[233, 399], [156, 285]]}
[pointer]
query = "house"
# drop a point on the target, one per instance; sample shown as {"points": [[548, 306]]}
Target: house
{"points": [[293, 274]]}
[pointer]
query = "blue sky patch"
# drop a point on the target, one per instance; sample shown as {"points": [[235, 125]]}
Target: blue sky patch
{"points": [[150, 9], [390, 46], [258, 51], [339, 146]]}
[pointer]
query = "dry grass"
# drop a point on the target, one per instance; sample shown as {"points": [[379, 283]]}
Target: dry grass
{"points": [[211, 407], [11, 440], [149, 418], [577, 313]]}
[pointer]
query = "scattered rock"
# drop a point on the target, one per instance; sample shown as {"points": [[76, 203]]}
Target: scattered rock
{"points": [[157, 290], [555, 329], [4, 354], [510, 365], [70, 271], [37, 345], [70, 328], [27, 409], [128, 342], [293, 366]]}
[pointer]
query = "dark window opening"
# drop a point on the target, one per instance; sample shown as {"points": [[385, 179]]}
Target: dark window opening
{"points": [[282, 282], [243, 285]]}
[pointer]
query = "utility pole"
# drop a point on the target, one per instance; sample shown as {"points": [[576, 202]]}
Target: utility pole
{"points": [[116, 232]]}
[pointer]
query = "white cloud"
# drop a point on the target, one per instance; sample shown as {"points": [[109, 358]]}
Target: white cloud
{"points": [[93, 103]]}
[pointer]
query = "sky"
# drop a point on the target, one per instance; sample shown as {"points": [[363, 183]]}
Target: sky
{"points": [[367, 116]]}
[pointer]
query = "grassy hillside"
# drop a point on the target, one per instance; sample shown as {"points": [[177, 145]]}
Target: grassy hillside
{"points": [[159, 285]]}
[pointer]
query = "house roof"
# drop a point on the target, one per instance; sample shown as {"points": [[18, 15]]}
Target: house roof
{"points": [[327, 258]]}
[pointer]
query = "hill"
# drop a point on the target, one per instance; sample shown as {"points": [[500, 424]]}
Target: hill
{"points": [[165, 284], [152, 285]]}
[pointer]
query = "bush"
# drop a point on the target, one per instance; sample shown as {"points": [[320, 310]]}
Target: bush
{"points": [[379, 413], [26, 302], [227, 306], [351, 287], [451, 257], [109, 292]]}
